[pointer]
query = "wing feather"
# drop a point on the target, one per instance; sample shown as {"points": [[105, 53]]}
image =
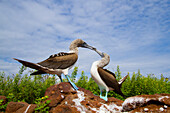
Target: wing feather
{"points": [[60, 61], [107, 77], [110, 80], [110, 72]]}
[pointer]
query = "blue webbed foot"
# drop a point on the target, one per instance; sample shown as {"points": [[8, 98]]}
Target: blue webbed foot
{"points": [[73, 85], [103, 97]]}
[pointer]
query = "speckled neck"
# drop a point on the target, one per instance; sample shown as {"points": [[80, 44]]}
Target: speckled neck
{"points": [[104, 61]]}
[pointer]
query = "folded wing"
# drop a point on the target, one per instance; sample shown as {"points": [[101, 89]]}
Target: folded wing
{"points": [[60, 61]]}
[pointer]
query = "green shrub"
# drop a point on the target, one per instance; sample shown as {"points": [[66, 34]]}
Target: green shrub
{"points": [[26, 88], [3, 107], [23, 87], [42, 105]]}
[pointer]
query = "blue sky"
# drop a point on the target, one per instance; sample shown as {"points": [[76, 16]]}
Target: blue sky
{"points": [[134, 33]]}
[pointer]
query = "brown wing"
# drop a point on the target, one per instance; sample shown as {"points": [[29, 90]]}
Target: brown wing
{"points": [[110, 80], [107, 77], [110, 72], [60, 61]]}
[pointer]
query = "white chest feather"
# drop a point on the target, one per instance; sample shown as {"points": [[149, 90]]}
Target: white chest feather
{"points": [[97, 78]]}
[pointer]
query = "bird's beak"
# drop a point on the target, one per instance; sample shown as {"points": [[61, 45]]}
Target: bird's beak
{"points": [[100, 53], [85, 45]]}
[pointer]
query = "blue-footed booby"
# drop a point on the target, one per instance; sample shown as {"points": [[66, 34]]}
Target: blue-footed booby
{"points": [[58, 63], [105, 79]]}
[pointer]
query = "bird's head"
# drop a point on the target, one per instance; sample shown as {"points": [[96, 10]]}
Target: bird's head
{"points": [[80, 43]]}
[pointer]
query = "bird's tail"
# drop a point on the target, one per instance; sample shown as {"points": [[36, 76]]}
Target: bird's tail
{"points": [[38, 73], [122, 80], [29, 64]]}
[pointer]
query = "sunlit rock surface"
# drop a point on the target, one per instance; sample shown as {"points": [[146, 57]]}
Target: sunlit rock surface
{"points": [[147, 103], [20, 107], [65, 99]]}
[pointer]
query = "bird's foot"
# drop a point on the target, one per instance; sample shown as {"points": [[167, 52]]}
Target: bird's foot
{"points": [[104, 97]]}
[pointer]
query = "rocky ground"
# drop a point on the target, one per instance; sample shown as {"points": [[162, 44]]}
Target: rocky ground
{"points": [[64, 99]]}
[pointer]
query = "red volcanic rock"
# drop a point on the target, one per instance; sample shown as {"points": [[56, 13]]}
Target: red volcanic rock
{"points": [[147, 103], [65, 99], [20, 107], [57, 93], [64, 109]]}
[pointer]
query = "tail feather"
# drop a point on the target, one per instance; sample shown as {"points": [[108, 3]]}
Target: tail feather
{"points": [[122, 80], [29, 64], [38, 73]]}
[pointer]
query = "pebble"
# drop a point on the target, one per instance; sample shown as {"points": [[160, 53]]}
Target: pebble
{"points": [[146, 109], [161, 108], [165, 106]]}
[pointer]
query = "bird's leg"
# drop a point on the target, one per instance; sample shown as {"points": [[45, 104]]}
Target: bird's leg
{"points": [[103, 97], [100, 93], [74, 86], [61, 78]]}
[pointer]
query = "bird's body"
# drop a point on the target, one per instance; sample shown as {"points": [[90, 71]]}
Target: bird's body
{"points": [[105, 79], [96, 76], [58, 63]]}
